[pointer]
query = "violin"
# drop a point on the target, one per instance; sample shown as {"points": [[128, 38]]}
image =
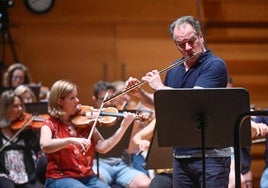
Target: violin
{"points": [[26, 120], [108, 116], [29, 120]]}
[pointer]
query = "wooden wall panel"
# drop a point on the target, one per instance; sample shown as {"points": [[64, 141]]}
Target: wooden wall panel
{"points": [[234, 34], [247, 65], [144, 54], [78, 53], [238, 11], [237, 32], [111, 12], [87, 41]]}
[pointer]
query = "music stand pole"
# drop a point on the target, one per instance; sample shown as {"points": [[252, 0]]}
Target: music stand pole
{"points": [[202, 125]]}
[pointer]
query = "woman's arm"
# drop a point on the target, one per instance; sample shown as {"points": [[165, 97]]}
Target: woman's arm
{"points": [[103, 146], [50, 145], [143, 137]]}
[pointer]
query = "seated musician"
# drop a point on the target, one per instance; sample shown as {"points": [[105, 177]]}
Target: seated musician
{"points": [[126, 102], [116, 168], [19, 149], [163, 177], [25, 93], [18, 74], [70, 144]]}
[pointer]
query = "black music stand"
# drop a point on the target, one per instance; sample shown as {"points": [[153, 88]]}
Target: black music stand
{"points": [[201, 118], [158, 157], [37, 107]]}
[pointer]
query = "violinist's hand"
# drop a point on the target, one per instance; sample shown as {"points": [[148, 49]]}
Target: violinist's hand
{"points": [[144, 145], [131, 82], [258, 129], [82, 142], [154, 80], [128, 119]]}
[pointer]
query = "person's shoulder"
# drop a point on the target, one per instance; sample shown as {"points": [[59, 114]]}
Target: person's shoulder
{"points": [[51, 122], [213, 61], [209, 55]]}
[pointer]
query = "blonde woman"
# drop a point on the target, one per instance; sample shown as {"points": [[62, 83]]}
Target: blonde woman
{"points": [[26, 94], [70, 152]]}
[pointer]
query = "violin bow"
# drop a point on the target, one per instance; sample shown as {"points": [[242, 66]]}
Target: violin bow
{"points": [[17, 133], [97, 117]]}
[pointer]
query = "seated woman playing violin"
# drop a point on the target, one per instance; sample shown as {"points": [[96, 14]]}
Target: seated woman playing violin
{"points": [[18, 149], [116, 167], [70, 149]]}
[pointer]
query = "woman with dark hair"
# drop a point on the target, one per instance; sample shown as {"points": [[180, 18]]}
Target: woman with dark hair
{"points": [[16, 74]]}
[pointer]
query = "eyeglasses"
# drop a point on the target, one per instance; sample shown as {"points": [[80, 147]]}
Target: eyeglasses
{"points": [[17, 77]]}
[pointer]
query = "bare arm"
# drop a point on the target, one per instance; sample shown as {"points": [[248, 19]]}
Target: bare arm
{"points": [[103, 146], [50, 145], [143, 137], [258, 129], [145, 98]]}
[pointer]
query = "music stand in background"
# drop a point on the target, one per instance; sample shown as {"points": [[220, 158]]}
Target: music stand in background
{"points": [[187, 118], [2, 89], [158, 157], [36, 90], [37, 108]]}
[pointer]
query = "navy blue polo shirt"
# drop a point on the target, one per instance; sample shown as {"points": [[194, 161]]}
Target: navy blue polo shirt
{"points": [[209, 72]]}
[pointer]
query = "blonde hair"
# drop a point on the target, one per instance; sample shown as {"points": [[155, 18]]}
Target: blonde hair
{"points": [[20, 90], [59, 90]]}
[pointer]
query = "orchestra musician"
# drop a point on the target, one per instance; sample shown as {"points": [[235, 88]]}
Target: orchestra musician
{"points": [[70, 147], [126, 102], [19, 150], [257, 130], [260, 123], [143, 139], [203, 71], [25, 93], [118, 171], [18, 74]]}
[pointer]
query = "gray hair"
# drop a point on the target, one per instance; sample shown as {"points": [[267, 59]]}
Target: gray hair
{"points": [[185, 19]]}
